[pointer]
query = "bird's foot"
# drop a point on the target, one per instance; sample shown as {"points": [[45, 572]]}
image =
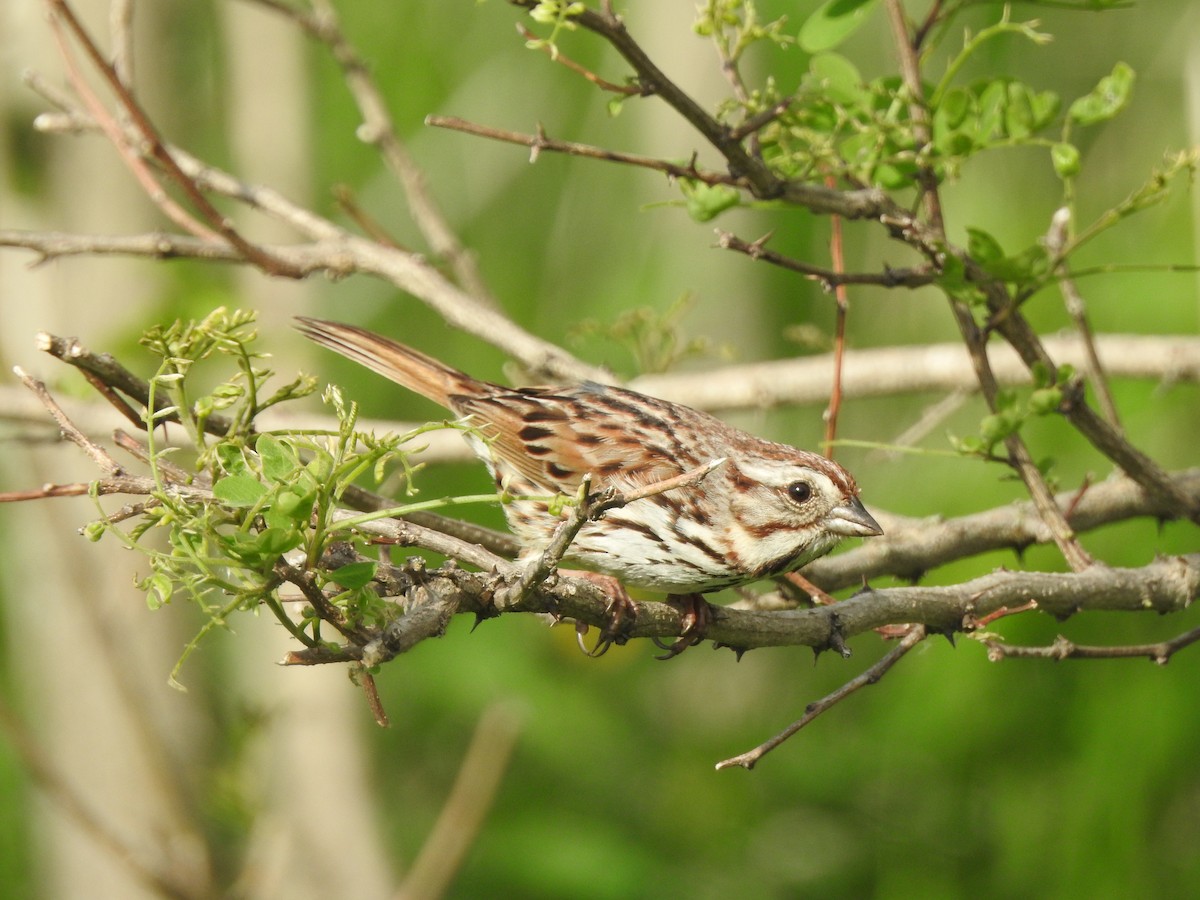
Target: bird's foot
{"points": [[621, 612], [697, 616]]}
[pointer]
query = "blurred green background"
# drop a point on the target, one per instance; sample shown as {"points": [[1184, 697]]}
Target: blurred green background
{"points": [[952, 777]]}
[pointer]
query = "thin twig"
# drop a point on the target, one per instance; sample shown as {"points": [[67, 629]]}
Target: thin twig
{"points": [[1056, 240], [1062, 648], [556, 54], [539, 142], [157, 150], [871, 676], [98, 454], [828, 278]]}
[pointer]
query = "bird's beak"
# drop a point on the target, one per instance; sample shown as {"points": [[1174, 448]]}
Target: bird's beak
{"points": [[852, 520]]}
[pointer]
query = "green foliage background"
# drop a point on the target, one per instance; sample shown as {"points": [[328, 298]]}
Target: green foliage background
{"points": [[954, 776]]}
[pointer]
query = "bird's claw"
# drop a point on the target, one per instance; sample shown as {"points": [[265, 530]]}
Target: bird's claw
{"points": [[697, 616], [621, 612]]}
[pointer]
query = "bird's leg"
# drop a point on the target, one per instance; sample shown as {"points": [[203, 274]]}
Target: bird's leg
{"points": [[621, 611], [815, 594], [697, 616]]}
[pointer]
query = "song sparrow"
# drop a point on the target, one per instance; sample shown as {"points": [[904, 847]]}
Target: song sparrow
{"points": [[768, 510]]}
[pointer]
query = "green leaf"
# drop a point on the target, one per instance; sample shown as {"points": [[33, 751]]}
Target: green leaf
{"points": [[953, 109], [278, 462], [273, 542], [1107, 99], [953, 123], [1045, 400], [231, 459], [983, 248], [832, 23], [995, 428], [992, 102], [1065, 158], [293, 505], [968, 444], [239, 490], [158, 589], [839, 78], [1044, 106], [354, 575], [707, 201], [1018, 114]]}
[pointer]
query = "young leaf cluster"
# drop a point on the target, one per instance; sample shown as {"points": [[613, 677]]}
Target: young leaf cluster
{"points": [[252, 510]]}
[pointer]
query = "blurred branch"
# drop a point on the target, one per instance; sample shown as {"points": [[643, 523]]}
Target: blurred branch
{"points": [[379, 130], [334, 250], [470, 799], [158, 873], [145, 143], [889, 371]]}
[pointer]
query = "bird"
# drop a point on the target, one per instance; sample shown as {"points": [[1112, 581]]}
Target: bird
{"points": [[767, 510]]}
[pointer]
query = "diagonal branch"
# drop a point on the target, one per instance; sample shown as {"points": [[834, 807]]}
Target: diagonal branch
{"points": [[871, 676], [758, 177]]}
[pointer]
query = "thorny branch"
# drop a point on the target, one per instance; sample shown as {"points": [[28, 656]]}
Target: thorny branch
{"points": [[750, 758], [430, 598], [1164, 585]]}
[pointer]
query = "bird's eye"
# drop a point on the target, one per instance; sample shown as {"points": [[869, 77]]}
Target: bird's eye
{"points": [[799, 491]]}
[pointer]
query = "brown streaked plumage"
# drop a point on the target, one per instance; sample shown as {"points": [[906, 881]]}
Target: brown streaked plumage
{"points": [[768, 510]]}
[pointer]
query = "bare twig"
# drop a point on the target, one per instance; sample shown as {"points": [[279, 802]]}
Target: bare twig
{"points": [[342, 253], [157, 150], [1056, 240], [829, 278], [98, 454], [871, 676], [1062, 648], [539, 142], [562, 59]]}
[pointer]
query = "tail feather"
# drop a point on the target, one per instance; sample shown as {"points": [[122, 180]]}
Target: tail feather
{"points": [[403, 365]]}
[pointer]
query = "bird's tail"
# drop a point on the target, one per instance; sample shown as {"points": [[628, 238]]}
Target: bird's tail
{"points": [[403, 365]]}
